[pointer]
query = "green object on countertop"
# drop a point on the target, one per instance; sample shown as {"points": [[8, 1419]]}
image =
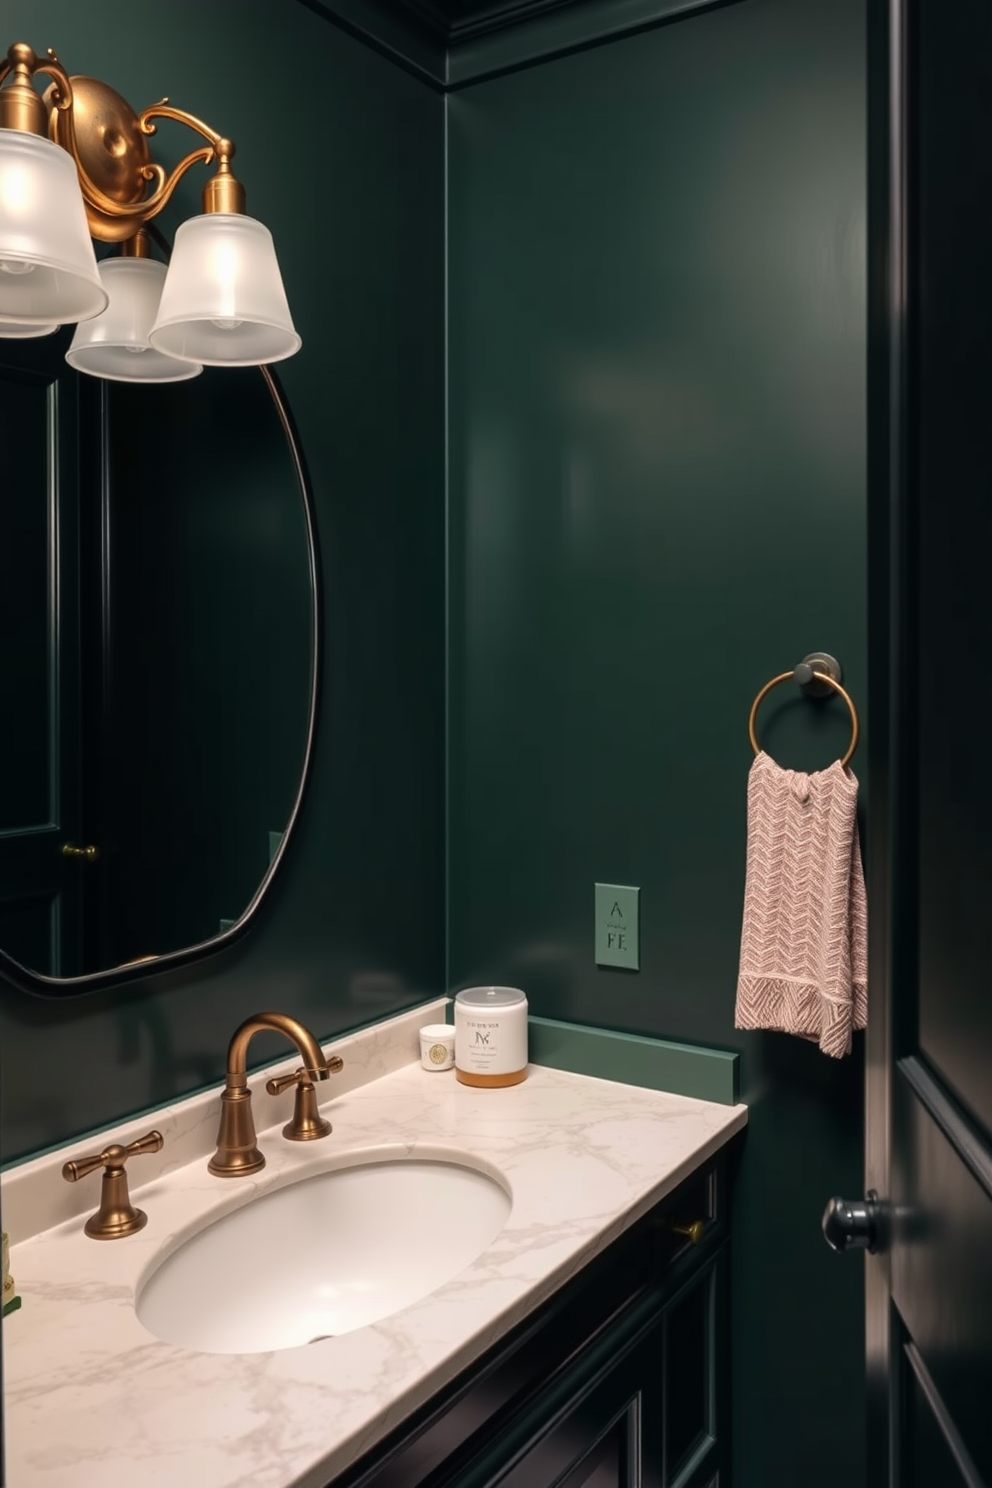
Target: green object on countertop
{"points": [[11, 1301]]}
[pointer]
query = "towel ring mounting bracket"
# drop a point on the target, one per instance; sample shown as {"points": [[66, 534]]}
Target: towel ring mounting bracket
{"points": [[818, 662]]}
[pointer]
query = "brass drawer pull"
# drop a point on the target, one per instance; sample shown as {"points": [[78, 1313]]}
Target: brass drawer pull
{"points": [[693, 1232], [116, 1215], [85, 854]]}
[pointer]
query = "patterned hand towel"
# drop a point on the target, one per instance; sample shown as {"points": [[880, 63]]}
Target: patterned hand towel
{"points": [[804, 944]]}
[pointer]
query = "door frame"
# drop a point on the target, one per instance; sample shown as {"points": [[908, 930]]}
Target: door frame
{"points": [[891, 562]]}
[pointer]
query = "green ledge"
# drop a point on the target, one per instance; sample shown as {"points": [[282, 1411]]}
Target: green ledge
{"points": [[631, 1059]]}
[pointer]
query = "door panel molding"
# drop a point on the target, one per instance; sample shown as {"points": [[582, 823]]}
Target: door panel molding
{"points": [[969, 1472], [972, 1150], [941, 1239]]}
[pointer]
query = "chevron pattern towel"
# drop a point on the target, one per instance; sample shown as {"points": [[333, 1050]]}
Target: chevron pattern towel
{"points": [[804, 944]]}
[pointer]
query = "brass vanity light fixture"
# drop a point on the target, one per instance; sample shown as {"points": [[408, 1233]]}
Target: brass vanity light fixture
{"points": [[76, 164], [116, 1216], [237, 1151]]}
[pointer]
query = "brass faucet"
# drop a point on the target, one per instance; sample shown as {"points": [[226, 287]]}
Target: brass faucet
{"points": [[237, 1153]]}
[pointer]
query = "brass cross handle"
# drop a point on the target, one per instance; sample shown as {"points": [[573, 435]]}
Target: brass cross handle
{"points": [[116, 1215], [307, 1123]]}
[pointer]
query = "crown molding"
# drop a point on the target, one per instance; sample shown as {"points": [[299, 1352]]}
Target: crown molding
{"points": [[452, 43], [434, 14], [492, 15], [411, 33], [519, 33]]}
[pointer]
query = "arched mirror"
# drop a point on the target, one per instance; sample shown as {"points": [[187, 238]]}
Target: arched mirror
{"points": [[158, 663]]}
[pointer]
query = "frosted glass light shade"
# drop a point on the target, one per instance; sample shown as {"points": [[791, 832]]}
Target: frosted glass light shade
{"points": [[13, 330], [47, 265], [115, 344], [223, 303]]}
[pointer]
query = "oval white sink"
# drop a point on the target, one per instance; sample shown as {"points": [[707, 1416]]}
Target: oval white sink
{"points": [[323, 1256]]}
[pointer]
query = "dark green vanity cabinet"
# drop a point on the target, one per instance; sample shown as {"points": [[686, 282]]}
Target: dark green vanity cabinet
{"points": [[618, 1381]]}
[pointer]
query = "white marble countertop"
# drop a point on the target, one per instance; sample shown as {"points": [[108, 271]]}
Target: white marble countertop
{"points": [[93, 1400]]}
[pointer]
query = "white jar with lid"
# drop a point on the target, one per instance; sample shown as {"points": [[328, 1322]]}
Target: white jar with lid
{"points": [[491, 1036]]}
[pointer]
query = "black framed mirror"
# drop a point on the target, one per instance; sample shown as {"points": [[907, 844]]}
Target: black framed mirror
{"points": [[159, 664]]}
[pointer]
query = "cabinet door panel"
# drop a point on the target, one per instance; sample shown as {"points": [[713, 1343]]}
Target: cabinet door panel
{"points": [[593, 1444], [612, 1461], [643, 1418], [638, 1410], [689, 1388]]}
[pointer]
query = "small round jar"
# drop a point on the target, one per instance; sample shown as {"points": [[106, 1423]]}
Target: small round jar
{"points": [[437, 1046], [491, 1036]]}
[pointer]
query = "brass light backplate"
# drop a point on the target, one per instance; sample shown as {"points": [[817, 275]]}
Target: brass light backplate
{"points": [[112, 149], [111, 146]]}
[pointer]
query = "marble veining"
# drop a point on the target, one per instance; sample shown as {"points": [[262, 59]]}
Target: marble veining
{"points": [[93, 1400]]}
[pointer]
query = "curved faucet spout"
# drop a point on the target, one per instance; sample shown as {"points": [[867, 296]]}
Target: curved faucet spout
{"points": [[237, 1150], [307, 1046]]}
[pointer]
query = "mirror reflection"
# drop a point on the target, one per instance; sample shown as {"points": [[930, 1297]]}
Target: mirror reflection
{"points": [[156, 657]]}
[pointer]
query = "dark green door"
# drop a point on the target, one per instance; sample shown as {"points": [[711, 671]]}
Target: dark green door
{"points": [[41, 889], [929, 1051]]}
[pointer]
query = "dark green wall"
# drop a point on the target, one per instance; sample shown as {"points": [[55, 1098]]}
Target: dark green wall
{"points": [[657, 496], [342, 156], [656, 502]]}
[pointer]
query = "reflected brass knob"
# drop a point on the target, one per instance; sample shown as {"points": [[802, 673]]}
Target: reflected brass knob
{"points": [[86, 854], [693, 1232], [307, 1123], [116, 1216]]}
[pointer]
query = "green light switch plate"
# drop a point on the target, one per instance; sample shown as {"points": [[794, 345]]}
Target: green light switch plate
{"points": [[617, 936]]}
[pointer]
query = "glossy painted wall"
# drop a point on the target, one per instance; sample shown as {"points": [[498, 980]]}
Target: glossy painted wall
{"points": [[346, 167], [657, 494]]}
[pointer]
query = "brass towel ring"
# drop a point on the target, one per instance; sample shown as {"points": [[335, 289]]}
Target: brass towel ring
{"points": [[823, 677]]}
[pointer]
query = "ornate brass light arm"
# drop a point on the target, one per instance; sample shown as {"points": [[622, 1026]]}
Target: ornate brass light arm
{"points": [[165, 110], [113, 216], [223, 192]]}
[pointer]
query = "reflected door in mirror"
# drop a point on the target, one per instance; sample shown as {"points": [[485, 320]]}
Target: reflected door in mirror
{"points": [[156, 656], [41, 809]]}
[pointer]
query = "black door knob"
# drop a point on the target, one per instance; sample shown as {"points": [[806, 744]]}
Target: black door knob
{"points": [[852, 1224]]}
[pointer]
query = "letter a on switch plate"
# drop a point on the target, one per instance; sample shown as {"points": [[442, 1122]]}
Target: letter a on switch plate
{"points": [[617, 938]]}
